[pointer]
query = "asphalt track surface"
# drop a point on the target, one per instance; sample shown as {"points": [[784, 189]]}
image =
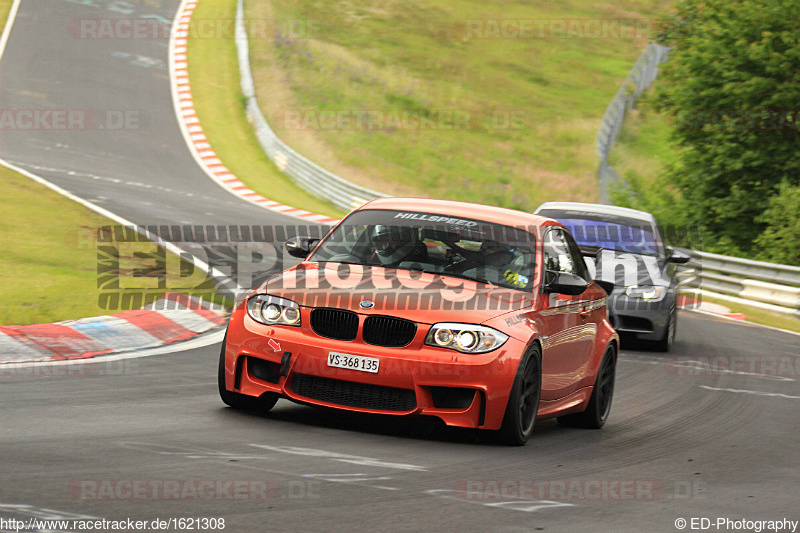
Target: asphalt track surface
{"points": [[76, 440], [137, 168]]}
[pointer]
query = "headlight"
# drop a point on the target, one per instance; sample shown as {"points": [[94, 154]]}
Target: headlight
{"points": [[272, 310], [465, 338], [646, 292]]}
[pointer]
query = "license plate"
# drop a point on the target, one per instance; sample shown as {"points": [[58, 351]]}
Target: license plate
{"points": [[353, 362]]}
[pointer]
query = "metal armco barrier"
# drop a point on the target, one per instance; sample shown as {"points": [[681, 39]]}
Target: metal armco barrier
{"points": [[308, 175], [768, 286], [642, 74]]}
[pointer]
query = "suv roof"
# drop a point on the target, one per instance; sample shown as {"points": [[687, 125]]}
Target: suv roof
{"points": [[600, 209]]}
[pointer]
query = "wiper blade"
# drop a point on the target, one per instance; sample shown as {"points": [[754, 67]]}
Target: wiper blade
{"points": [[450, 274], [346, 262]]}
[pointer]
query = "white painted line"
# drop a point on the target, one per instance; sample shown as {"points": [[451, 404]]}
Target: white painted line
{"points": [[12, 17], [359, 479], [752, 392], [340, 457], [108, 214], [527, 506]]}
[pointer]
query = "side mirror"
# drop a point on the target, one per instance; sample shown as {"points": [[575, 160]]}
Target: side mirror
{"points": [[607, 285], [564, 283], [675, 255], [300, 246]]}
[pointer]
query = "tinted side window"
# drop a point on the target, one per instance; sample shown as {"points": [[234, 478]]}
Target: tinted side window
{"points": [[577, 258], [557, 255]]}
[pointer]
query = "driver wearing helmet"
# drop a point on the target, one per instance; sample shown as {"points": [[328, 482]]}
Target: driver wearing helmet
{"points": [[394, 244]]}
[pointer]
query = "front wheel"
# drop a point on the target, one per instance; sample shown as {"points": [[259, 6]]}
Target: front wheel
{"points": [[599, 407], [264, 403], [523, 403], [665, 343]]}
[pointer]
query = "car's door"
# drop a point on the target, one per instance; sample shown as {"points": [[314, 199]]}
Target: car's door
{"points": [[569, 322]]}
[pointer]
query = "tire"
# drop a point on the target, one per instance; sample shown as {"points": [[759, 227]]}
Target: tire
{"points": [[523, 402], [664, 344], [596, 413], [263, 403]]}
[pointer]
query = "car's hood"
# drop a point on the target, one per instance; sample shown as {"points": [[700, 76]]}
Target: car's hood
{"points": [[416, 296]]}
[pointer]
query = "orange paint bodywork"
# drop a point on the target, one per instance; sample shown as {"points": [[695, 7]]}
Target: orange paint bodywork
{"points": [[572, 331]]}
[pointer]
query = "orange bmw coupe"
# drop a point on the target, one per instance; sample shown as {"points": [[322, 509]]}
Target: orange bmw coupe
{"points": [[481, 316]]}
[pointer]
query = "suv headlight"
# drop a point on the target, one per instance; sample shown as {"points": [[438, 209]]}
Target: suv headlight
{"points": [[272, 310], [646, 292], [465, 338]]}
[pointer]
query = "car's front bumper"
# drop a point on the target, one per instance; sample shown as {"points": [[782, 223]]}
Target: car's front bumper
{"points": [[464, 390], [647, 320]]}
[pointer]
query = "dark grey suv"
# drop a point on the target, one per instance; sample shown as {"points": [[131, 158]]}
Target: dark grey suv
{"points": [[625, 246]]}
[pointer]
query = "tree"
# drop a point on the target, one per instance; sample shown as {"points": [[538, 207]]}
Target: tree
{"points": [[780, 242], [732, 84]]}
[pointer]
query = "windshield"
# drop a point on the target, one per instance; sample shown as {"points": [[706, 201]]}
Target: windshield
{"points": [[595, 230], [460, 247]]}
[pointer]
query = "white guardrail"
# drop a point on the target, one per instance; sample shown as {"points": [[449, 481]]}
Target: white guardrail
{"points": [[768, 286], [308, 175]]}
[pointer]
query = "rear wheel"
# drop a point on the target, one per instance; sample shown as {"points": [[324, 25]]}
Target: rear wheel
{"points": [[523, 403], [599, 406], [265, 402]]}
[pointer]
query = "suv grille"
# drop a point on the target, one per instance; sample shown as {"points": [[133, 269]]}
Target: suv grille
{"points": [[334, 324], [388, 331], [350, 394]]}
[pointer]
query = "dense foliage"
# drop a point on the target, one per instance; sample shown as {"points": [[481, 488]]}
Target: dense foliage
{"points": [[732, 87]]}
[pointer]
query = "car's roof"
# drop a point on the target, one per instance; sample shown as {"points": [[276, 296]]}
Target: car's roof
{"points": [[498, 215], [600, 209]]}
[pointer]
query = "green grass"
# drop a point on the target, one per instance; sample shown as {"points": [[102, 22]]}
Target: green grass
{"points": [[44, 274], [49, 265], [49, 268], [420, 57], [759, 316], [214, 75], [5, 7], [644, 147]]}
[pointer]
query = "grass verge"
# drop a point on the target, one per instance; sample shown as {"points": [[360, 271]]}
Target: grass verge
{"points": [[52, 268], [214, 75], [451, 99], [759, 316]]}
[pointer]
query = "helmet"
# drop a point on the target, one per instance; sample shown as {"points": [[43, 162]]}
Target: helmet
{"points": [[497, 253], [392, 243]]}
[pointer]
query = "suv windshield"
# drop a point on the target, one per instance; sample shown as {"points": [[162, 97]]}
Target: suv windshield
{"points": [[434, 243], [612, 232]]}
